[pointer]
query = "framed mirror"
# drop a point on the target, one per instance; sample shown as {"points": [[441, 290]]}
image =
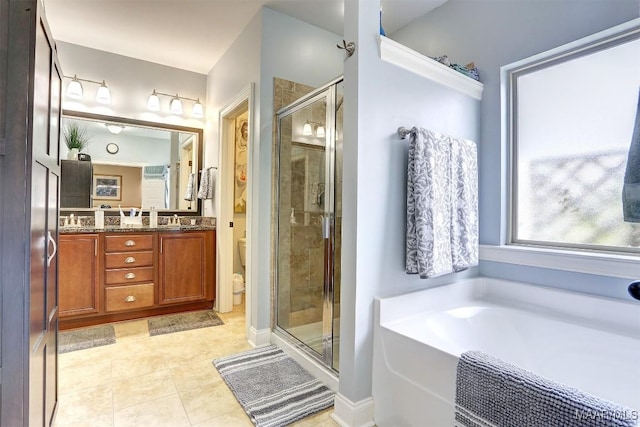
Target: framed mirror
{"points": [[129, 163]]}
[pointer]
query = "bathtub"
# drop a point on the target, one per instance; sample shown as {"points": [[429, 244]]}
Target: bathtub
{"points": [[586, 342]]}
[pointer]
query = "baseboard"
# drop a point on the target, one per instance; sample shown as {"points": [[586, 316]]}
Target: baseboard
{"points": [[260, 337], [315, 368], [349, 414]]}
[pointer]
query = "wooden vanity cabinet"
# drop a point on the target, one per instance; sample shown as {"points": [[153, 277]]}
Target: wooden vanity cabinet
{"points": [[108, 277], [78, 274], [186, 267]]}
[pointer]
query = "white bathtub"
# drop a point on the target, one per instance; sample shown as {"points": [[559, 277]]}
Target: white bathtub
{"points": [[583, 341]]}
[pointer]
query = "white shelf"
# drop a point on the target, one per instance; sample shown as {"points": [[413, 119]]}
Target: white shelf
{"points": [[397, 54]]}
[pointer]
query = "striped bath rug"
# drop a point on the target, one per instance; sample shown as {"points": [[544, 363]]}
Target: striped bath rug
{"points": [[271, 387]]}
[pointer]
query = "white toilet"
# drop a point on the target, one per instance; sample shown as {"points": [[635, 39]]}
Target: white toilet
{"points": [[242, 249], [238, 282]]}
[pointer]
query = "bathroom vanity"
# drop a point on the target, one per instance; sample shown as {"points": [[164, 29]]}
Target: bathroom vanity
{"points": [[120, 274]]}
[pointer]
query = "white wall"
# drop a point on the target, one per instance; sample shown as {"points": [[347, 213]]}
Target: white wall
{"points": [[496, 33], [271, 45], [130, 81], [380, 97], [296, 51]]}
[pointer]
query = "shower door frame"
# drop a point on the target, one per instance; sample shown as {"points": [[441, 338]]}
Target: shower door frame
{"points": [[328, 92]]}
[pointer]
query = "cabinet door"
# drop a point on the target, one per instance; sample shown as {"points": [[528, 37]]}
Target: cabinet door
{"points": [[186, 267], [78, 274]]}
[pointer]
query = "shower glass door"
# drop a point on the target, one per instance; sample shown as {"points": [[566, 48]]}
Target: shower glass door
{"points": [[305, 242]]}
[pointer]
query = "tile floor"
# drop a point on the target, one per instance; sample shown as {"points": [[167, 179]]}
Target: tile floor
{"points": [[166, 380]]}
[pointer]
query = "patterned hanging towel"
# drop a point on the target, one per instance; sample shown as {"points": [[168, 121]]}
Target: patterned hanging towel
{"points": [[442, 204], [207, 184], [631, 188]]}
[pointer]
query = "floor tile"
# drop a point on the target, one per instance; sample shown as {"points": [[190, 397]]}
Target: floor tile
{"points": [[84, 404], [192, 375], [135, 390], [131, 329], [208, 401], [164, 412], [87, 373]]}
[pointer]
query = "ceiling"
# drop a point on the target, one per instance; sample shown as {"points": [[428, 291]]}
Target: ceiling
{"points": [[193, 34]]}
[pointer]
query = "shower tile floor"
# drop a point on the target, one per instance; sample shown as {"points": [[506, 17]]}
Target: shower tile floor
{"points": [[166, 380]]}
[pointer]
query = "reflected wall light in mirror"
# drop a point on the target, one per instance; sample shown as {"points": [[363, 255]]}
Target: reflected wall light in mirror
{"points": [[175, 105], [114, 128], [313, 128], [75, 90]]}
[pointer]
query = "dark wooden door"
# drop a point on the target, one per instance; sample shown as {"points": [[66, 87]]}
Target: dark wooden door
{"points": [[185, 267], [45, 182], [30, 88]]}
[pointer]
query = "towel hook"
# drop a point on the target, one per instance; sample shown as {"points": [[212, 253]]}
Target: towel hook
{"points": [[349, 48]]}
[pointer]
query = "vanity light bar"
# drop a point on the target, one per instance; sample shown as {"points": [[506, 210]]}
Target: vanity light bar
{"points": [[175, 105], [75, 90]]}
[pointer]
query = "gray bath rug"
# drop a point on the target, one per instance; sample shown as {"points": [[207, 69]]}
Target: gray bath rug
{"points": [[271, 387], [183, 322], [80, 339]]}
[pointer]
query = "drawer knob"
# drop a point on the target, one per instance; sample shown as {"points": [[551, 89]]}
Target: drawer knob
{"points": [[130, 243], [129, 260], [130, 276], [130, 298]]}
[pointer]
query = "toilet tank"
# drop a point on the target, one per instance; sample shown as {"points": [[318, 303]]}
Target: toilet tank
{"points": [[242, 249]]}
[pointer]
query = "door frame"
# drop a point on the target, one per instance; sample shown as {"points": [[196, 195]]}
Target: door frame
{"points": [[241, 102]]}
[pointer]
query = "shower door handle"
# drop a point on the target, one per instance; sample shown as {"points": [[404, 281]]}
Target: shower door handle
{"points": [[326, 226]]}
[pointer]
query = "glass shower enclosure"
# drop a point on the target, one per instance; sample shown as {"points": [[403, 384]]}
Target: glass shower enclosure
{"points": [[309, 221]]}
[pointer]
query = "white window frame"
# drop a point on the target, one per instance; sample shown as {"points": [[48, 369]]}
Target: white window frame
{"points": [[595, 261]]}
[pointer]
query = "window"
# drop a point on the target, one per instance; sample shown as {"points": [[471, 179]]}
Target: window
{"points": [[571, 120]]}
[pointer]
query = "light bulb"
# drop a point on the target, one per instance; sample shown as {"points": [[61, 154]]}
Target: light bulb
{"points": [[320, 131], [113, 128], [306, 129], [197, 109], [74, 88], [176, 105], [153, 103], [103, 95]]}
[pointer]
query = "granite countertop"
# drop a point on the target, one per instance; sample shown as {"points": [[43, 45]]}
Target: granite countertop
{"points": [[143, 229], [112, 225]]}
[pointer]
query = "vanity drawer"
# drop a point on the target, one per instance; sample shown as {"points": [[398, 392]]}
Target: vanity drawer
{"points": [[129, 297], [128, 259], [128, 242], [124, 275]]}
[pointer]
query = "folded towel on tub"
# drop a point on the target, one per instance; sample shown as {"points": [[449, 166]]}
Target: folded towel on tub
{"points": [[491, 392]]}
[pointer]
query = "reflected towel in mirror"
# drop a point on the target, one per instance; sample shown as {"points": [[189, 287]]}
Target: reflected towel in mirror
{"points": [[190, 193]]}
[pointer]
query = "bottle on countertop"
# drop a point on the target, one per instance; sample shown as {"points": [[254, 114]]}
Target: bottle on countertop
{"points": [[153, 217], [99, 218]]}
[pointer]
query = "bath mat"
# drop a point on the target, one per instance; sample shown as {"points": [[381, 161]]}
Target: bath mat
{"points": [[183, 322], [81, 339], [271, 387]]}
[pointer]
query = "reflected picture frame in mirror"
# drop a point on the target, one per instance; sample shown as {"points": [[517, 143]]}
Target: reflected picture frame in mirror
{"points": [[158, 165]]}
